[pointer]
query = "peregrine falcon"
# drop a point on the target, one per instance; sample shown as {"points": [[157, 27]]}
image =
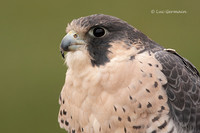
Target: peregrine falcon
{"points": [[120, 81]]}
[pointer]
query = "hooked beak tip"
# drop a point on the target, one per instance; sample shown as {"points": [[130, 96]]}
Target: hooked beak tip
{"points": [[62, 53]]}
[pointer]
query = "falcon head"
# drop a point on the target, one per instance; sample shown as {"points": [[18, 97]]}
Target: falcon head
{"points": [[97, 39]]}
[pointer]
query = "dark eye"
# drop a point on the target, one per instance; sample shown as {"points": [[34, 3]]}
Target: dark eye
{"points": [[99, 32]]}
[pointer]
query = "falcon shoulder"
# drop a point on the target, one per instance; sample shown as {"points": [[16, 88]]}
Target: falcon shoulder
{"points": [[183, 90]]}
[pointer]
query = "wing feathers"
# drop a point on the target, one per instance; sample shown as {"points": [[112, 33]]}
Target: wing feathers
{"points": [[183, 89]]}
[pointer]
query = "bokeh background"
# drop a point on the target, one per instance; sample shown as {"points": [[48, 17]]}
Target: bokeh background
{"points": [[32, 71]]}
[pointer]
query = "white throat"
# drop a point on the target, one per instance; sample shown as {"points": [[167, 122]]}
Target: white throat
{"points": [[78, 60]]}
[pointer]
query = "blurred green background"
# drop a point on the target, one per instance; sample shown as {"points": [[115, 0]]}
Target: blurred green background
{"points": [[32, 71]]}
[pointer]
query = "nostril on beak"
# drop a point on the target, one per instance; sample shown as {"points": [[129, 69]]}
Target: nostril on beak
{"points": [[70, 42]]}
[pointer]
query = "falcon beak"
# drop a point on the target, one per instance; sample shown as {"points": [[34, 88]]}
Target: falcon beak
{"points": [[70, 42]]}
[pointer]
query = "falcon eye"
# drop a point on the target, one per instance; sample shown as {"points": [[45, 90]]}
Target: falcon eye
{"points": [[98, 32]]}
